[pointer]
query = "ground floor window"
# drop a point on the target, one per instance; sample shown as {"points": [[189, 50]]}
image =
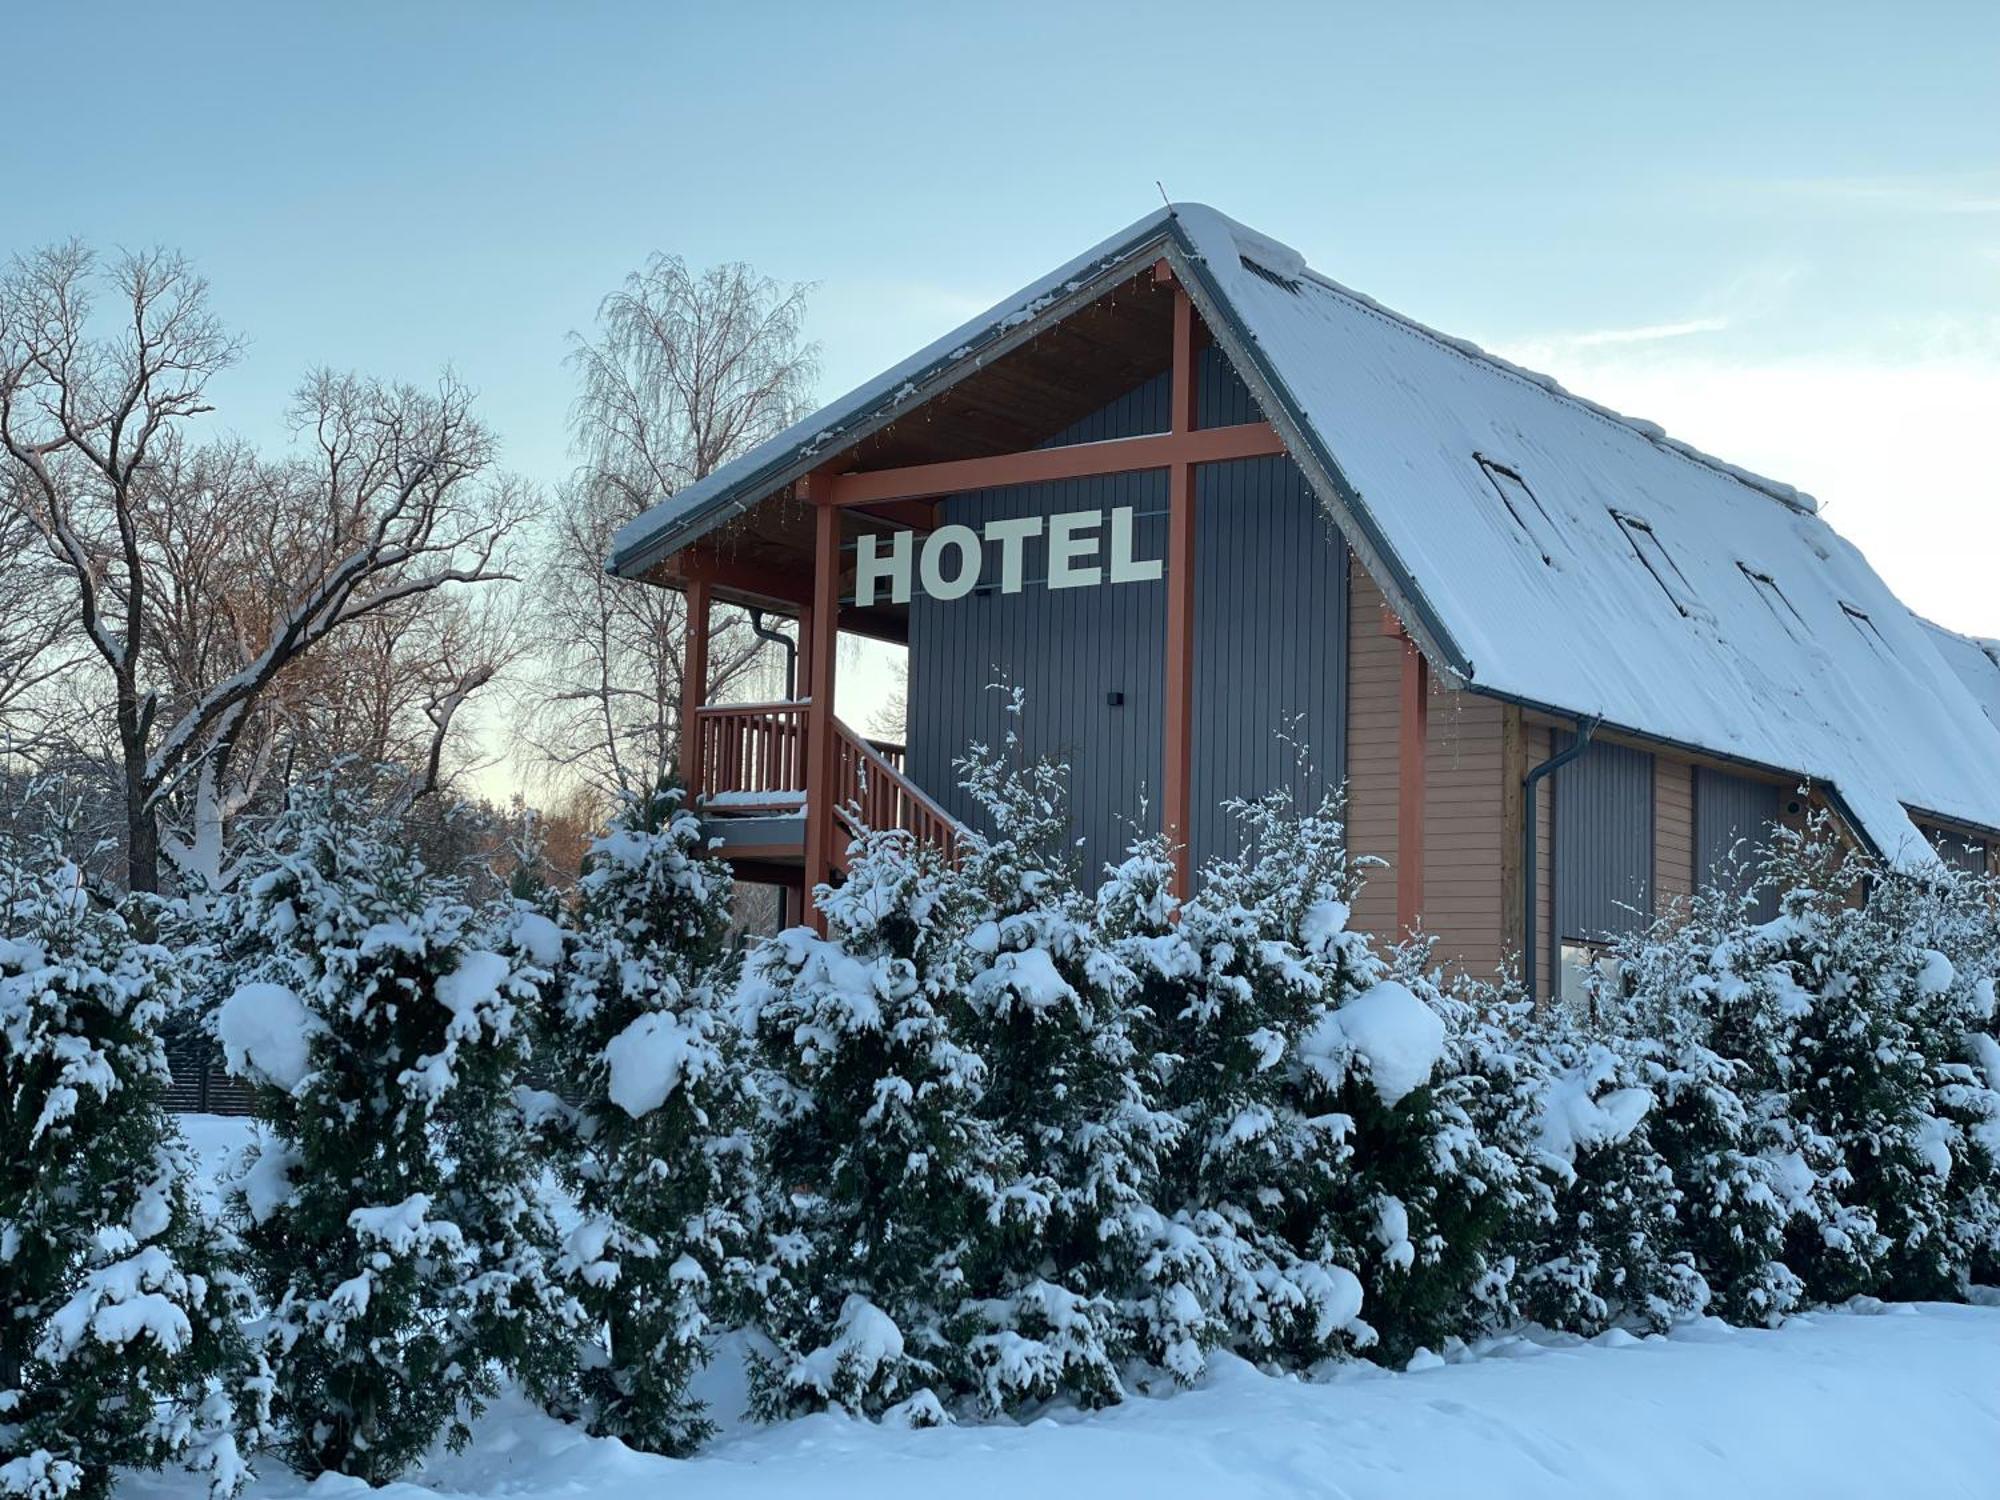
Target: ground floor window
{"points": [[1580, 964]]}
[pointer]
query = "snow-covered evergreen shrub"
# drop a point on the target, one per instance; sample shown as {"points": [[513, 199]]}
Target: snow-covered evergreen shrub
{"points": [[1955, 916], [1707, 1045], [1052, 1015], [120, 1302], [664, 1185], [889, 1192], [1611, 1252], [1239, 984], [392, 1199], [1820, 1093], [1854, 1086], [1438, 1197]]}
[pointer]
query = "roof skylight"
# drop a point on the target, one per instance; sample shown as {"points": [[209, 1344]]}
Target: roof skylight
{"points": [[1666, 572], [1781, 608], [1522, 505], [1860, 619]]}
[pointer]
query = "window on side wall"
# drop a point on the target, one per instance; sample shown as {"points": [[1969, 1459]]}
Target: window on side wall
{"points": [[1586, 971], [1646, 546], [1529, 515]]}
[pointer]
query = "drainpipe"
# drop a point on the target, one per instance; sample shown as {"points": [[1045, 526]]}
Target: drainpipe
{"points": [[764, 632], [1529, 875]]}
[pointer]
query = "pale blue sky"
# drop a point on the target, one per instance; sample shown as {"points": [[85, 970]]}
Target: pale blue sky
{"points": [[1774, 228]]}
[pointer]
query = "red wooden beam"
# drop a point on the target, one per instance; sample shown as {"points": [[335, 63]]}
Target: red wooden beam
{"points": [[1208, 445], [1177, 780], [694, 684], [1412, 736], [775, 585], [825, 626], [918, 515]]}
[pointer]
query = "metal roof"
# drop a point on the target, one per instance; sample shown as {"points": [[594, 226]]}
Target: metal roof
{"points": [[1651, 587]]}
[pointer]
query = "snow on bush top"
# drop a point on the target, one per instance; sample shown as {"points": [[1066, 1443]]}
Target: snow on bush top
{"points": [[1575, 1117], [538, 937], [266, 1035], [649, 1059], [1402, 1038]]}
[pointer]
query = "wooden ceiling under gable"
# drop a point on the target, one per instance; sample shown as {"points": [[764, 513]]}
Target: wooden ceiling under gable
{"points": [[1062, 374]]}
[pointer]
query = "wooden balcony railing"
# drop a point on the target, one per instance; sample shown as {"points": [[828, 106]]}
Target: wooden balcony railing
{"points": [[752, 758], [752, 755]]}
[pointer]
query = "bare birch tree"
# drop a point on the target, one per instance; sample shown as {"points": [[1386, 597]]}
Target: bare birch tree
{"points": [[685, 371], [202, 579]]}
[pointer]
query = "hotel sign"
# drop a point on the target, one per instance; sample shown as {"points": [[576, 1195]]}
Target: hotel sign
{"points": [[1080, 550]]}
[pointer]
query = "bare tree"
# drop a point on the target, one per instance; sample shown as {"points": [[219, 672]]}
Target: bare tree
{"points": [[685, 372], [202, 579], [36, 645]]}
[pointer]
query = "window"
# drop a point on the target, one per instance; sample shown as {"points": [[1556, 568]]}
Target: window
{"points": [[1666, 572], [1860, 620], [1587, 971], [1774, 600], [1522, 505]]}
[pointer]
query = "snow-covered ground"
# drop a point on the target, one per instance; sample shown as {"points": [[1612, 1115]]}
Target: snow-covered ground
{"points": [[1905, 1402], [1897, 1400]]}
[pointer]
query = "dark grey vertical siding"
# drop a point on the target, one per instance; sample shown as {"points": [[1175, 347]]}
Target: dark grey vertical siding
{"points": [[1733, 819], [1069, 650], [1603, 843], [1221, 397], [1221, 400], [1270, 622], [1961, 852], [1270, 625]]}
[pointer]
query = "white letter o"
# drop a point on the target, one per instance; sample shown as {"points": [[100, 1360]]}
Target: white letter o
{"points": [[970, 554]]}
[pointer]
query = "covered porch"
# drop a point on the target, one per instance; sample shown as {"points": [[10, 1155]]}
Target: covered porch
{"points": [[785, 786]]}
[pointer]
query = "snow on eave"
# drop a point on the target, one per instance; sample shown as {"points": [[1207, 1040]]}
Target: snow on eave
{"points": [[756, 475], [1276, 259]]}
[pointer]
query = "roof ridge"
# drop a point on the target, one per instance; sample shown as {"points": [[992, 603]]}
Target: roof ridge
{"points": [[1775, 489], [1297, 269]]}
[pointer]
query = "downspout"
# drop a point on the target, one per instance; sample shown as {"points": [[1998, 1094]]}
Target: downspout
{"points": [[1530, 883], [764, 632]]}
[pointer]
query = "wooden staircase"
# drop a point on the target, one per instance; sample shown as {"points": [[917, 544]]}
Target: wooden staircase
{"points": [[751, 784]]}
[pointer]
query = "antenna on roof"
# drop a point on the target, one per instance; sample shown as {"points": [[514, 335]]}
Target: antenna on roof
{"points": [[1163, 193]]}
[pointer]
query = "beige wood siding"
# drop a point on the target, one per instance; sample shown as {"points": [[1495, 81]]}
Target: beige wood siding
{"points": [[1537, 739], [1464, 832], [1374, 676], [1464, 843], [1673, 833]]}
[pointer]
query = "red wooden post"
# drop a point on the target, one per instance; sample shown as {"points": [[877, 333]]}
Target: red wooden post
{"points": [[694, 685], [1177, 780], [820, 758], [1413, 733]]}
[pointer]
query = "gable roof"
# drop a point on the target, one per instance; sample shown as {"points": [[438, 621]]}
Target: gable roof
{"points": [[1590, 566]]}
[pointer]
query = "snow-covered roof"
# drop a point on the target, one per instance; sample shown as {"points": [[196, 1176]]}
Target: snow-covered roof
{"points": [[1541, 548], [1977, 663]]}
